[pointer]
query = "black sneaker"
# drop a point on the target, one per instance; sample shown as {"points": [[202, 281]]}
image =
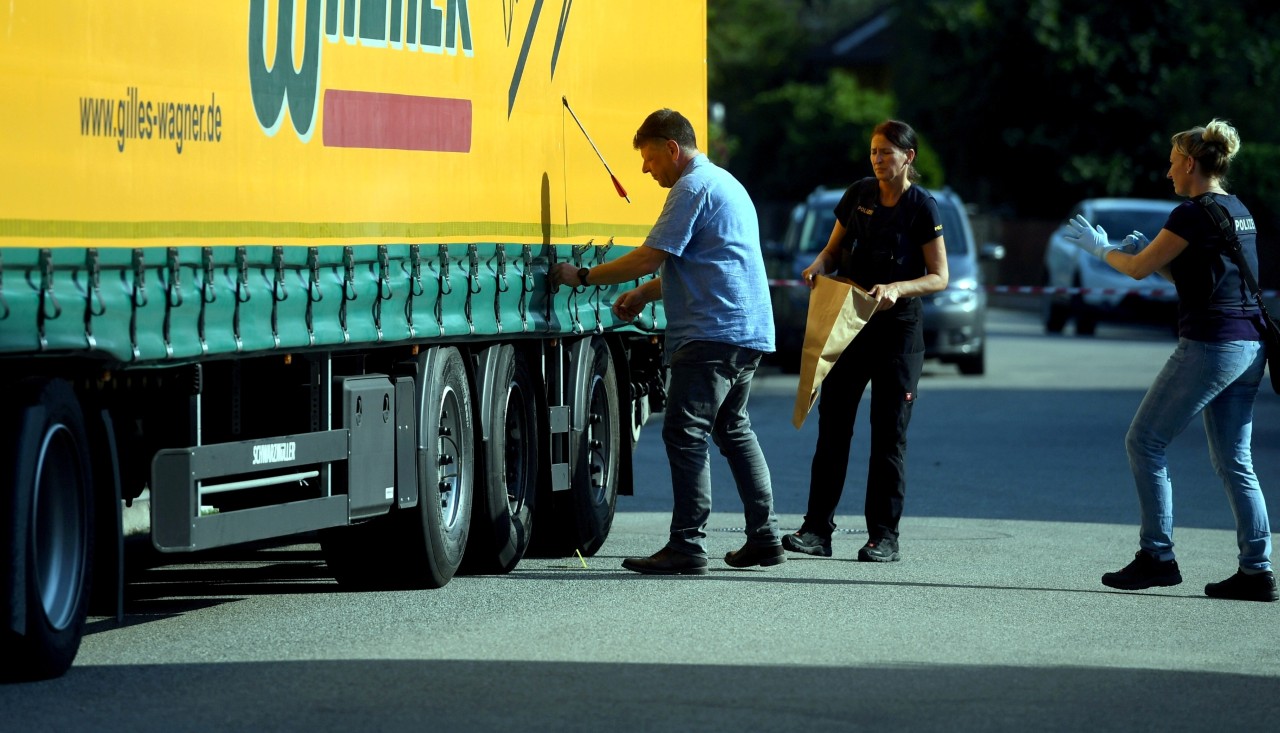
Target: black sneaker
{"points": [[808, 543], [1245, 587], [1144, 572], [879, 551]]}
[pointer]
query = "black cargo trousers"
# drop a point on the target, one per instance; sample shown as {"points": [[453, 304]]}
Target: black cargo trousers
{"points": [[889, 354]]}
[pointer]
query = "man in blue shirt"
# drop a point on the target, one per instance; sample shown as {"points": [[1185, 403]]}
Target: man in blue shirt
{"points": [[706, 243]]}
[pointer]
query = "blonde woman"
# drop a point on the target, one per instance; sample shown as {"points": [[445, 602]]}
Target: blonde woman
{"points": [[1214, 372]]}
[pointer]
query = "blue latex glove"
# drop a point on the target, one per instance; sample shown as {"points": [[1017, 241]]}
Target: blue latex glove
{"points": [[1088, 237], [1134, 243]]}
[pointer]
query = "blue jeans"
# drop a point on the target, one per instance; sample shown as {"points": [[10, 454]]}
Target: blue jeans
{"points": [[707, 396], [1218, 380]]}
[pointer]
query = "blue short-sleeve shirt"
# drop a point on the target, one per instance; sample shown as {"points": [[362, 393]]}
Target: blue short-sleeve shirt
{"points": [[713, 285]]}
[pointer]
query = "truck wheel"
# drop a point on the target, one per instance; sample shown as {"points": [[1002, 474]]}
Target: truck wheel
{"points": [[1086, 319], [1054, 309], [46, 509], [594, 487], [1056, 314], [360, 556], [502, 520], [972, 364], [1085, 315], [438, 530]]}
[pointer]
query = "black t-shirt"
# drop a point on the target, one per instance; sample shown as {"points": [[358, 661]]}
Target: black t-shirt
{"points": [[885, 244], [1214, 304]]}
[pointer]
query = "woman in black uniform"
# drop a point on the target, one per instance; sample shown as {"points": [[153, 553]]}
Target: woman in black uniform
{"points": [[888, 239]]}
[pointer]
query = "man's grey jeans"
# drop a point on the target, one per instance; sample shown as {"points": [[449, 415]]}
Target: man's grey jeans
{"points": [[707, 396]]}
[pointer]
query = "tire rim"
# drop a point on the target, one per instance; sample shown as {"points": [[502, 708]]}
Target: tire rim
{"points": [[599, 441], [449, 455], [639, 416], [517, 449], [58, 526]]}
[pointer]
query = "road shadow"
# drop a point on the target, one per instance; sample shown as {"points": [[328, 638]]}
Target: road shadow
{"points": [[568, 696], [754, 575], [161, 585]]}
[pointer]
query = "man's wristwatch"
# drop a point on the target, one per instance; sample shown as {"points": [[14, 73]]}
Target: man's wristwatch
{"points": [[583, 272]]}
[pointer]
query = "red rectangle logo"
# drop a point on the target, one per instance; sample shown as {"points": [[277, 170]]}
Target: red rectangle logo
{"points": [[396, 122]]}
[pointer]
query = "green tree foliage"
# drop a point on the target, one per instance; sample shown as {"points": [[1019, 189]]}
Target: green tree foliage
{"points": [[1037, 103], [790, 124], [820, 135]]}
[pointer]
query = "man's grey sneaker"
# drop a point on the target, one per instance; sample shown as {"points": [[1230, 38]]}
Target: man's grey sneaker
{"points": [[879, 551], [1245, 587], [808, 543], [1144, 572]]}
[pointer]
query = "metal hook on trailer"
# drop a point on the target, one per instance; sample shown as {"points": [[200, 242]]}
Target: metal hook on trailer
{"points": [[415, 286], [443, 286], [314, 293], [47, 297], [173, 278], [137, 298], [172, 295], [4, 306], [93, 292], [348, 290], [278, 292], [384, 288], [208, 294], [526, 285], [242, 295], [597, 296]]}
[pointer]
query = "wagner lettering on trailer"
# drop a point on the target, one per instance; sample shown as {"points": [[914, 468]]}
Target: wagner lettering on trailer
{"points": [[274, 453], [358, 118]]}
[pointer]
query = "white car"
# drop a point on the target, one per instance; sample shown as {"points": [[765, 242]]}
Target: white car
{"points": [[1083, 288]]}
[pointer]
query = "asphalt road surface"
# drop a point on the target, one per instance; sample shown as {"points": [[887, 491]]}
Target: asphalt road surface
{"points": [[1019, 499]]}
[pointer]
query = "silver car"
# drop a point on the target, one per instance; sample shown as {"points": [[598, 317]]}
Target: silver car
{"points": [[1083, 288], [954, 319]]}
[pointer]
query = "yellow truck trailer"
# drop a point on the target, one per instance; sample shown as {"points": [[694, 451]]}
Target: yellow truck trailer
{"points": [[279, 266]]}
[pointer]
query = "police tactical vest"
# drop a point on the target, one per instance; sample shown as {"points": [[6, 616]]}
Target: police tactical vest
{"points": [[878, 251]]}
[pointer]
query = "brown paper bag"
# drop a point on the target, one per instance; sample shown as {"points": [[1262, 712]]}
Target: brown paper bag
{"points": [[838, 309]]}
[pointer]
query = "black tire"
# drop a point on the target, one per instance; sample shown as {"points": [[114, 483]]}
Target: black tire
{"points": [[436, 534], [503, 517], [593, 494], [420, 547], [1055, 310], [1086, 320], [973, 364], [361, 557], [46, 510], [1085, 316], [1056, 315]]}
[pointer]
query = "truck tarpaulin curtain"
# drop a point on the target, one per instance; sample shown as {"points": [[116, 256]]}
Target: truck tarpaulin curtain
{"points": [[838, 309]]}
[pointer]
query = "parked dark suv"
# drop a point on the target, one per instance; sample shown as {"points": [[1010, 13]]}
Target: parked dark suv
{"points": [[954, 319]]}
